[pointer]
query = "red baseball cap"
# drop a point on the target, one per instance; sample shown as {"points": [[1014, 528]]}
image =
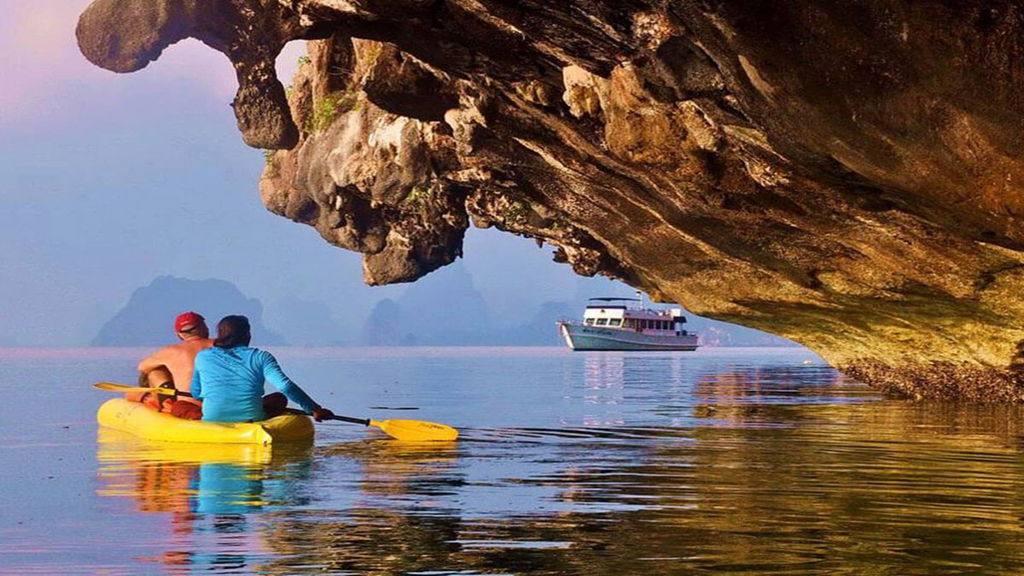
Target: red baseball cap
{"points": [[187, 322]]}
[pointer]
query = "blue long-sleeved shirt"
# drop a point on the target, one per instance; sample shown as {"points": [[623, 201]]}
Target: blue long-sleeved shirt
{"points": [[230, 383]]}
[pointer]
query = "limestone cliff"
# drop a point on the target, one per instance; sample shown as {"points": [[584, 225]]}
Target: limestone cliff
{"points": [[844, 174]]}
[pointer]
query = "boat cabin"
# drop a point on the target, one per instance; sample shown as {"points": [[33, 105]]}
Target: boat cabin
{"points": [[618, 313]]}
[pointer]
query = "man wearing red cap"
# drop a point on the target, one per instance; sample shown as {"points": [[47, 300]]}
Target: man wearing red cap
{"points": [[173, 364]]}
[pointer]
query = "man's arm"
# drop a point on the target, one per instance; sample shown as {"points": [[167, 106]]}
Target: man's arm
{"points": [[153, 361]]}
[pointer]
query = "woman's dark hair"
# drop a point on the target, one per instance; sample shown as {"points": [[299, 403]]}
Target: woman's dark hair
{"points": [[233, 331]]}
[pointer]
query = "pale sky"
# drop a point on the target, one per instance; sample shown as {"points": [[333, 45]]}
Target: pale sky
{"points": [[110, 180]]}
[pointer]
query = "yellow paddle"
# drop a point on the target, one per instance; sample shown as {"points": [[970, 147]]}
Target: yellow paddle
{"points": [[405, 430]]}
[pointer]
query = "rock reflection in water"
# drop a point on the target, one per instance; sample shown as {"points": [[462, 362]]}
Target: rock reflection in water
{"points": [[837, 490]]}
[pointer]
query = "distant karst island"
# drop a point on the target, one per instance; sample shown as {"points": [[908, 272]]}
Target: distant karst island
{"points": [[147, 318], [446, 309], [440, 310]]}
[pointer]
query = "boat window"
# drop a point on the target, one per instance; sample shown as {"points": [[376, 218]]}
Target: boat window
{"points": [[602, 321], [590, 321], [615, 322]]}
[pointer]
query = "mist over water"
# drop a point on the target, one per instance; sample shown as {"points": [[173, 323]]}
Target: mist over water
{"points": [[739, 461]]}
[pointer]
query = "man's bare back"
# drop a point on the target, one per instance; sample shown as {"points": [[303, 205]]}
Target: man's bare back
{"points": [[176, 359], [173, 364]]}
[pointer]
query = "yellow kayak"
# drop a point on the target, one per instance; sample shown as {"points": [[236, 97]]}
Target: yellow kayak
{"points": [[143, 422]]}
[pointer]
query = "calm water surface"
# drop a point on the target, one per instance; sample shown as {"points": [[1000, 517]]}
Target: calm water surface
{"points": [[721, 461]]}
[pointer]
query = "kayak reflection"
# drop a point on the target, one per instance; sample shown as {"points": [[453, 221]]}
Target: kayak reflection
{"points": [[204, 488]]}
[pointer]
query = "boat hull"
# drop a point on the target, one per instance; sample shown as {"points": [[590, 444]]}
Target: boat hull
{"points": [[581, 337], [136, 419]]}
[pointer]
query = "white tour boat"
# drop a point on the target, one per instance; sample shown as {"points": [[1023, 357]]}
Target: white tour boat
{"points": [[613, 324]]}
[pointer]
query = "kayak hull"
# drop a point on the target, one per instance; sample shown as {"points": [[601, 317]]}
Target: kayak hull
{"points": [[138, 420]]}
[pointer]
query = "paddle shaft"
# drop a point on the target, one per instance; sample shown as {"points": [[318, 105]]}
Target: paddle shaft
{"points": [[128, 389], [349, 419], [363, 421], [162, 391]]}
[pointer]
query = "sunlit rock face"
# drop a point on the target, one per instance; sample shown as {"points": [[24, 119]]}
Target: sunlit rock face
{"points": [[844, 174]]}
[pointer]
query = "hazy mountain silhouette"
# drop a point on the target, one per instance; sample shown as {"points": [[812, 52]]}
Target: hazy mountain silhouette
{"points": [[148, 317], [443, 308], [307, 323], [540, 330], [390, 325], [384, 326], [443, 305]]}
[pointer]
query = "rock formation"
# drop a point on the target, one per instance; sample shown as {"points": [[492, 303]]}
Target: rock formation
{"points": [[844, 174]]}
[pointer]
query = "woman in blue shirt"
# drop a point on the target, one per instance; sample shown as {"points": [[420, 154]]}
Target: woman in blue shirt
{"points": [[229, 379]]}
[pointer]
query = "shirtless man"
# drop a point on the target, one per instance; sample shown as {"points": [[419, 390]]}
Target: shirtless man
{"points": [[172, 365]]}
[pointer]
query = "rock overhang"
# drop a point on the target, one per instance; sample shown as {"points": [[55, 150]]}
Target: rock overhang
{"points": [[845, 176]]}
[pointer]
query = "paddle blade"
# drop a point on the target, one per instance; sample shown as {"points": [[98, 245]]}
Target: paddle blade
{"points": [[128, 389], [416, 430]]}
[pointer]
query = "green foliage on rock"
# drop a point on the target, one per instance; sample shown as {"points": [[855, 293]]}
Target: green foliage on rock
{"points": [[516, 212], [329, 108], [419, 193], [271, 162], [373, 53]]}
